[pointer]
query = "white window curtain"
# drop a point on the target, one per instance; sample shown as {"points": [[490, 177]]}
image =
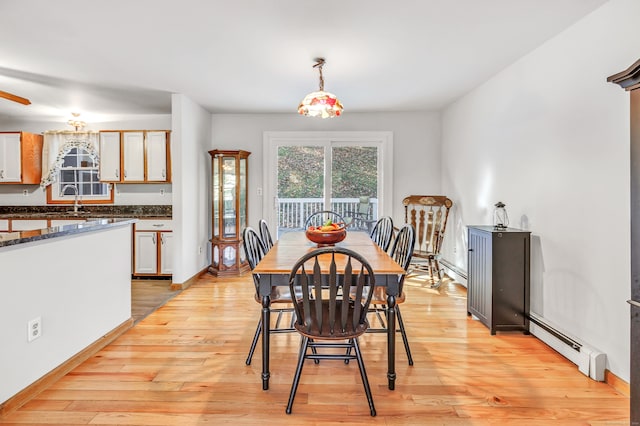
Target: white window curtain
{"points": [[57, 144]]}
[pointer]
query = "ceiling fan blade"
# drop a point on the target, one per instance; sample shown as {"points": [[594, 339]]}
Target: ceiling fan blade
{"points": [[12, 97]]}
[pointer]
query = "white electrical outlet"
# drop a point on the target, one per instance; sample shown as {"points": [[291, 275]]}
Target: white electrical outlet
{"points": [[25, 192], [259, 191], [199, 249], [161, 191], [34, 328]]}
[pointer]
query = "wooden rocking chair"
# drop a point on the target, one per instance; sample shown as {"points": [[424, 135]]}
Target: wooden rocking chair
{"points": [[428, 214]]}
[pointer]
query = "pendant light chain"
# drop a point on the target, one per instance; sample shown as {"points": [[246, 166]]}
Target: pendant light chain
{"points": [[319, 65]]}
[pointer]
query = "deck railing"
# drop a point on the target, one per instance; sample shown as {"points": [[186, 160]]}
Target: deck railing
{"points": [[292, 212]]}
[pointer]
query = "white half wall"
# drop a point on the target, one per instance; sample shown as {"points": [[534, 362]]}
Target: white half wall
{"points": [[549, 137], [79, 285], [190, 142], [416, 140]]}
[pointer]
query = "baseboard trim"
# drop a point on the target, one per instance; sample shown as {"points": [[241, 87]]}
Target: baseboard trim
{"points": [[31, 391], [617, 383], [185, 285], [455, 272]]}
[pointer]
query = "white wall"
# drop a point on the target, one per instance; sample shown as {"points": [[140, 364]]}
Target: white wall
{"points": [[125, 194], [549, 137], [416, 140], [190, 142], [79, 285]]}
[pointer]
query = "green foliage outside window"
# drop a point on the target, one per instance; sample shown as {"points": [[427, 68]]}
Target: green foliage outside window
{"points": [[301, 172]]}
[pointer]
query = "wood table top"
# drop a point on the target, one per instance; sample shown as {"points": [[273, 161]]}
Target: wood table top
{"points": [[292, 245]]}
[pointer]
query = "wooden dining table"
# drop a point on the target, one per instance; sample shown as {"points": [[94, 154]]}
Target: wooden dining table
{"points": [[275, 267]]}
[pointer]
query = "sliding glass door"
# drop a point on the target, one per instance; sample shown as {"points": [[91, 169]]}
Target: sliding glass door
{"points": [[309, 172]]}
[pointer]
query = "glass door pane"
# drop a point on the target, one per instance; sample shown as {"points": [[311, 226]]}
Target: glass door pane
{"points": [[300, 184], [354, 184], [229, 188]]}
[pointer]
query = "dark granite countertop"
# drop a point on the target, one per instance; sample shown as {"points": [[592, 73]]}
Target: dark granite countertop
{"points": [[20, 237], [95, 211]]}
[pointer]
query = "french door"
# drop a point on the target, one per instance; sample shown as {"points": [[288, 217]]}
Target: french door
{"points": [[346, 172]]}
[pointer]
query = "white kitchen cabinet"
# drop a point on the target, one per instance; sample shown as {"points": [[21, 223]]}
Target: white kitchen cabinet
{"points": [[20, 157], [10, 170], [146, 253], [110, 156], [156, 152], [153, 248], [144, 156], [166, 253], [28, 224], [133, 156], [4, 225]]}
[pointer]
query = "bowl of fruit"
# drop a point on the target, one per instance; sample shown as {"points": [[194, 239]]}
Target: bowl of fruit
{"points": [[327, 234]]}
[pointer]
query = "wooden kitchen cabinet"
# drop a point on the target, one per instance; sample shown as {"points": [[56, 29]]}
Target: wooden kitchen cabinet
{"points": [[499, 277], [20, 158], [110, 157], [156, 155], [135, 156], [153, 248]]}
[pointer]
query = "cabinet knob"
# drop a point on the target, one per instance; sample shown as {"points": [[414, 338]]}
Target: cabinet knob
{"points": [[470, 249]]}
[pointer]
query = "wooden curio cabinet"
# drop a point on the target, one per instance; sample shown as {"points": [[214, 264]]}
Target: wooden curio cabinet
{"points": [[228, 211]]}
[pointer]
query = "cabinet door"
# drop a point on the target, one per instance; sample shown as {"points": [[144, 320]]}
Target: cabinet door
{"points": [[156, 157], [133, 147], [10, 158], [146, 253], [28, 224], [479, 276], [110, 156], [166, 253]]}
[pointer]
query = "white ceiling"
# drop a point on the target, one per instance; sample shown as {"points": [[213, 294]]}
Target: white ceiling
{"points": [[108, 59]]}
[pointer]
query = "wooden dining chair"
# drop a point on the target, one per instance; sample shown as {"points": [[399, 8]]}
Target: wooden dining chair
{"points": [[401, 252], [326, 319], [265, 234], [382, 232], [255, 250], [428, 214]]}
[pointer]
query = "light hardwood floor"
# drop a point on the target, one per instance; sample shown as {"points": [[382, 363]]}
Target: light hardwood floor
{"points": [[184, 365]]}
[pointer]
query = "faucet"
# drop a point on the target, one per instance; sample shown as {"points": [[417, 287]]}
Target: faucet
{"points": [[75, 200]]}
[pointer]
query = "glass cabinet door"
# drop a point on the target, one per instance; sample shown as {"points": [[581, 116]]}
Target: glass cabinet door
{"points": [[229, 189], [228, 211], [243, 193]]}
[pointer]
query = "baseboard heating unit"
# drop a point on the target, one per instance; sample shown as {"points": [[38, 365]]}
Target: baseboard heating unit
{"points": [[590, 361]]}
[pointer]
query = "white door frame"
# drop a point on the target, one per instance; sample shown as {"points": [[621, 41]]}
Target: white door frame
{"points": [[271, 140]]}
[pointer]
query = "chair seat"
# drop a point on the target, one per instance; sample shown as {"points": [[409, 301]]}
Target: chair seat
{"points": [[315, 330]]}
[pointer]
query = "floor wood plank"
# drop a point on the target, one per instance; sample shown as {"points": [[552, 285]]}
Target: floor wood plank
{"points": [[184, 365]]}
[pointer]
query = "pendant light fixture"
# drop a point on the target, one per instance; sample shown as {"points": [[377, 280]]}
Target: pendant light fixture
{"points": [[320, 104]]}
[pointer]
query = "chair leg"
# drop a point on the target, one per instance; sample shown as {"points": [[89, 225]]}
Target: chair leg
{"points": [[363, 374], [404, 335], [304, 344], [254, 342]]}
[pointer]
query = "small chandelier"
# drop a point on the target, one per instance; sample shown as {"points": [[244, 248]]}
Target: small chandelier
{"points": [[75, 122], [320, 104]]}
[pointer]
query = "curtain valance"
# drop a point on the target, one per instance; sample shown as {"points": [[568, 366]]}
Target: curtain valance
{"points": [[57, 144]]}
